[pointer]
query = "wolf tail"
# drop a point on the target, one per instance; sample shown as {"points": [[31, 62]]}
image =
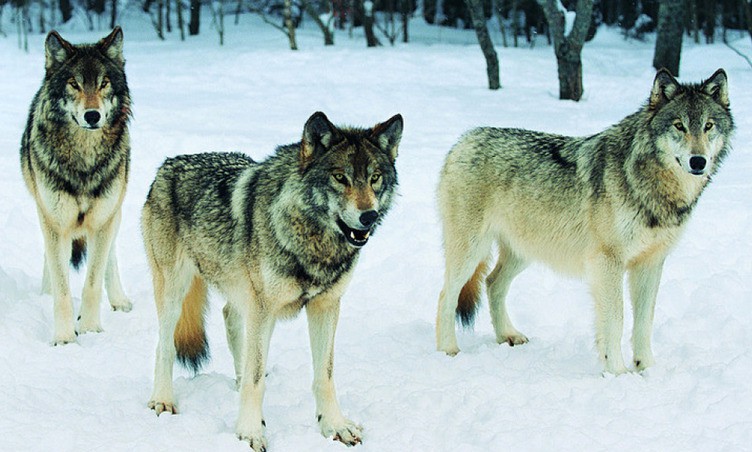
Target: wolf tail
{"points": [[467, 304], [78, 253], [190, 334]]}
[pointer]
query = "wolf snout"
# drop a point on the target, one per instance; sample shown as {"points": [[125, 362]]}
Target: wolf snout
{"points": [[368, 218], [92, 117], [697, 164]]}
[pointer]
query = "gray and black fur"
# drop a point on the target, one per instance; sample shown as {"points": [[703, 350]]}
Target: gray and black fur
{"points": [[596, 206], [75, 156], [274, 237]]}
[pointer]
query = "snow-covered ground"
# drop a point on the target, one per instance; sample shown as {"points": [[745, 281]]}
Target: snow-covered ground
{"points": [[253, 94]]}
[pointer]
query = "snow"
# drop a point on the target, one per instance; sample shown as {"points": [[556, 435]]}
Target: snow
{"points": [[254, 94]]}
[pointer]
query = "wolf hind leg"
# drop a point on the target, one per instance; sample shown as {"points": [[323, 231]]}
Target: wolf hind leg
{"points": [[644, 279], [170, 289], [322, 323], [508, 266], [234, 330], [464, 252], [606, 276]]}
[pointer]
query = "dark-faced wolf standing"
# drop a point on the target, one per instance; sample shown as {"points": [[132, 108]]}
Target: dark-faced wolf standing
{"points": [[594, 207], [75, 155], [273, 237]]}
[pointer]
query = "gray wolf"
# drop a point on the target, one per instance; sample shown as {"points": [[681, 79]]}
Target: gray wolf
{"points": [[273, 237], [595, 207], [75, 155]]}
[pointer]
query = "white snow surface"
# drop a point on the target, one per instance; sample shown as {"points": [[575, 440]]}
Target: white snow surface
{"points": [[254, 94]]}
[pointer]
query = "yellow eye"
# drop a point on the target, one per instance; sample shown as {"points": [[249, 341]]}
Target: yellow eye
{"points": [[679, 126], [708, 125], [74, 85], [105, 83], [375, 178], [339, 177]]}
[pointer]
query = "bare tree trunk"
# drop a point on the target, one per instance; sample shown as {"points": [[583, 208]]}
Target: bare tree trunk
{"points": [[168, 15], [42, 22], [484, 39], [181, 22], [747, 7], [568, 49], [405, 13], [668, 41], [195, 20], [371, 39], [113, 13], [324, 27], [290, 25], [66, 10]]}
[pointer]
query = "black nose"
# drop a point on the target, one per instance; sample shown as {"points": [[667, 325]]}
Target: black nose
{"points": [[367, 219], [697, 162], [92, 117]]}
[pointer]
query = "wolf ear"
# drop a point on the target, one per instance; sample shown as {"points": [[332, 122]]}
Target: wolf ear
{"points": [[318, 134], [717, 87], [664, 89], [56, 51], [112, 45], [388, 135]]}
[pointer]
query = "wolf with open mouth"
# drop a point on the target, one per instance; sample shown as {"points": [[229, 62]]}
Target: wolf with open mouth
{"points": [[274, 237]]}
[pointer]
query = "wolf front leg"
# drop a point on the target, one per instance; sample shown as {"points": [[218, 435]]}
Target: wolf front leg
{"points": [[258, 332], [100, 242], [606, 274], [118, 300], [57, 252], [644, 279], [323, 314]]}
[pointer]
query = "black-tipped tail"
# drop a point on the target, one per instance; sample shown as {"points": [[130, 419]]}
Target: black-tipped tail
{"points": [[190, 336], [469, 299], [78, 253]]}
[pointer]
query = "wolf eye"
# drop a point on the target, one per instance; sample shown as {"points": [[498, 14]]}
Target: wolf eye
{"points": [[679, 126], [375, 177], [74, 85], [339, 177], [104, 84], [708, 125]]}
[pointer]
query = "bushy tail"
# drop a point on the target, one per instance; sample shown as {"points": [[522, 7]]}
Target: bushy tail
{"points": [[78, 253], [469, 299], [190, 335]]}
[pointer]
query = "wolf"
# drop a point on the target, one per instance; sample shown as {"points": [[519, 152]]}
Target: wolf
{"points": [[75, 156], [272, 237], [595, 207]]}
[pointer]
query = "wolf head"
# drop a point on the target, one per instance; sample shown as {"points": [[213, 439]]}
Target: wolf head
{"points": [[352, 171], [86, 83], [692, 123]]}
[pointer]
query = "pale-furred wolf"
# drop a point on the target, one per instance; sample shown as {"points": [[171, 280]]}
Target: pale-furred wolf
{"points": [[594, 207], [273, 237], [75, 154]]}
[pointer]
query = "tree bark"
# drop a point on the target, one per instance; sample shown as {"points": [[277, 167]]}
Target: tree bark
{"points": [[195, 20], [324, 27], [568, 49], [66, 10], [371, 39], [475, 8], [668, 41]]}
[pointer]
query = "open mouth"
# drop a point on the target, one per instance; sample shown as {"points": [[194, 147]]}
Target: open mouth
{"points": [[356, 237]]}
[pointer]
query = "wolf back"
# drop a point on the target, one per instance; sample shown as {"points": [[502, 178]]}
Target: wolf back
{"points": [[596, 207]]}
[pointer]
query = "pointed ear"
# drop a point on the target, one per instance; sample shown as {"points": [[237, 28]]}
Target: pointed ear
{"points": [[318, 134], [388, 135], [56, 51], [717, 87], [665, 87], [112, 46]]}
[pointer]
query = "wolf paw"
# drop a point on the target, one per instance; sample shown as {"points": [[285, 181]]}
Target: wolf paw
{"points": [[345, 431], [643, 363], [257, 441], [123, 305], [89, 327], [513, 339], [64, 339], [162, 407]]}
